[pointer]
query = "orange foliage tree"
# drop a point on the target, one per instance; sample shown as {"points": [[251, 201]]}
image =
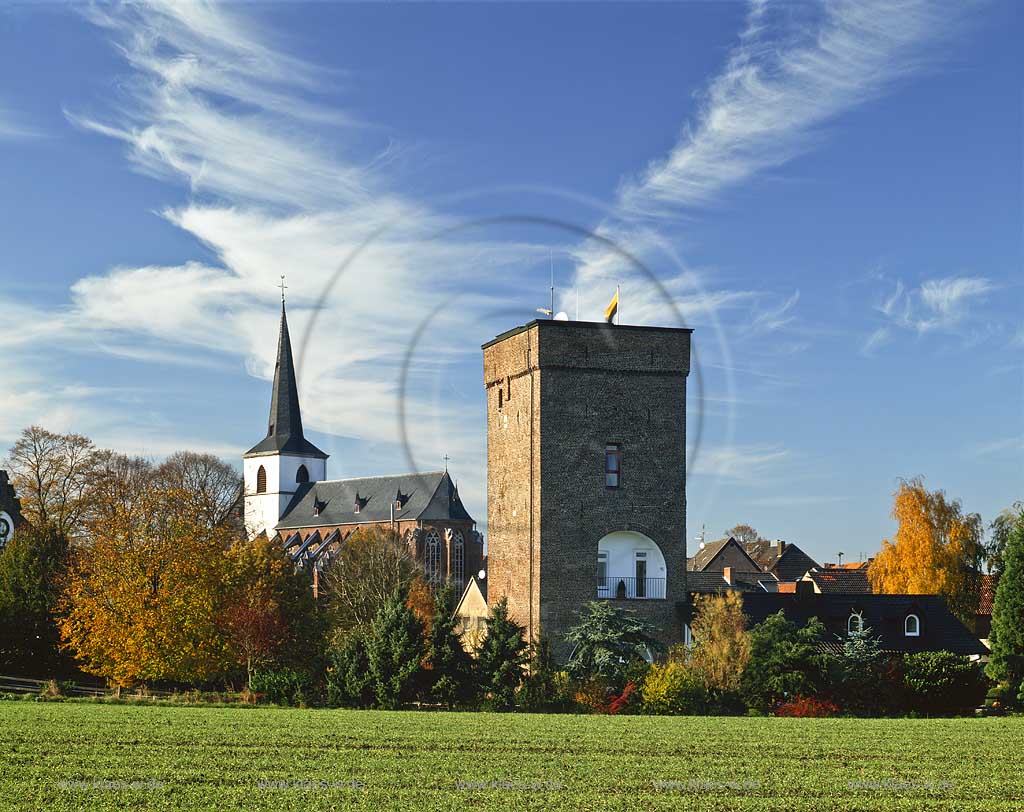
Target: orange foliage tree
{"points": [[269, 613], [937, 550], [143, 593]]}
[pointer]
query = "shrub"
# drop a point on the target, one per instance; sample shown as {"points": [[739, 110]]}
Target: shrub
{"points": [[282, 686], [721, 647], [545, 689], [940, 683], [449, 666], [607, 641], [395, 652], [591, 696], [784, 662], [624, 701], [807, 707], [502, 659], [672, 688], [349, 683]]}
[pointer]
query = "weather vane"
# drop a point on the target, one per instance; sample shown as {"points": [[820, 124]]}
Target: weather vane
{"points": [[284, 287]]}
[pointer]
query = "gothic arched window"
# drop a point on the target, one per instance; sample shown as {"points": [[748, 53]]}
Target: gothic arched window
{"points": [[855, 623], [261, 480], [302, 475], [432, 557], [458, 560]]}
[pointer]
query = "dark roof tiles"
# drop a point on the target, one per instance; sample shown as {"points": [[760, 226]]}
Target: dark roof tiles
{"points": [[428, 496]]}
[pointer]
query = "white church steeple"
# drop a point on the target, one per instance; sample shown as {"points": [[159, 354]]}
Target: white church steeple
{"points": [[276, 467]]}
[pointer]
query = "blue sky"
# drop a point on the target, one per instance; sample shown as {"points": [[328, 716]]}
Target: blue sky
{"points": [[829, 194]]}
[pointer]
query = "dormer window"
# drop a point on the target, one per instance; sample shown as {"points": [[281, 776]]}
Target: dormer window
{"points": [[317, 506], [360, 503], [400, 500], [912, 626]]}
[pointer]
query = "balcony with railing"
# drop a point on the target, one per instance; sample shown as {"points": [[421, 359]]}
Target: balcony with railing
{"points": [[620, 588]]}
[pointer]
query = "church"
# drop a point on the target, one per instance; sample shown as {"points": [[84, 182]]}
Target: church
{"points": [[288, 496]]}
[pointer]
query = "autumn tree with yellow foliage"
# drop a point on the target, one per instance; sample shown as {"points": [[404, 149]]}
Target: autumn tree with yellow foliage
{"points": [[937, 550], [721, 642], [144, 590]]}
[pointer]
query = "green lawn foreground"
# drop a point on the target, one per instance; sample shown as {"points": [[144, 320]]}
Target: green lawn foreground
{"points": [[64, 756]]}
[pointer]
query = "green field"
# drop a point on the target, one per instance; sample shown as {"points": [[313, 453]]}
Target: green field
{"points": [[63, 756]]}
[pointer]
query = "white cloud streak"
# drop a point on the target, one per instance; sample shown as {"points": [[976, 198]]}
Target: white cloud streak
{"points": [[794, 70], [944, 305]]}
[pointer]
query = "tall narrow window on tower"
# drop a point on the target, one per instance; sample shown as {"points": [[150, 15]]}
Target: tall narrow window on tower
{"points": [[302, 475], [612, 465], [261, 480]]}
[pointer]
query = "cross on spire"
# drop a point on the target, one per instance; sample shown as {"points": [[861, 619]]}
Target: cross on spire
{"points": [[446, 458], [283, 287]]}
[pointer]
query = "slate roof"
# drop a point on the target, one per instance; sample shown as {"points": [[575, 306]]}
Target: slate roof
{"points": [[884, 614], [706, 556], [714, 581], [787, 561], [835, 579], [284, 428], [430, 496]]}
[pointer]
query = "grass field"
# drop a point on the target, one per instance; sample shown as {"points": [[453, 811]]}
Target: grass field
{"points": [[64, 756]]}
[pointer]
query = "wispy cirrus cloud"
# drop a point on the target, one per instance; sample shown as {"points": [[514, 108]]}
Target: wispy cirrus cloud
{"points": [[942, 305], [793, 71], [748, 464], [15, 127]]}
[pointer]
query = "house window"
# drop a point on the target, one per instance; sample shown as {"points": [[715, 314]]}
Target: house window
{"points": [[912, 626], [855, 623], [432, 558], [602, 574], [458, 560], [501, 398], [612, 465], [261, 480], [302, 475]]}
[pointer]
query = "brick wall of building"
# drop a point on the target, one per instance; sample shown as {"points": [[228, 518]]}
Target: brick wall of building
{"points": [[548, 506]]}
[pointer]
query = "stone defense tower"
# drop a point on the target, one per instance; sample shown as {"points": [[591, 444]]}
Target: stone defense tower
{"points": [[586, 472], [273, 469]]}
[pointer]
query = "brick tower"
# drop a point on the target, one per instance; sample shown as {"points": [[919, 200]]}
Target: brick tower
{"points": [[586, 472]]}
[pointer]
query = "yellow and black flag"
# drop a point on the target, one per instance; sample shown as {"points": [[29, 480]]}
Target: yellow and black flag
{"points": [[613, 308]]}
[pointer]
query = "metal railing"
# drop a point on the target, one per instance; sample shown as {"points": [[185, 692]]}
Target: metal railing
{"points": [[617, 587]]}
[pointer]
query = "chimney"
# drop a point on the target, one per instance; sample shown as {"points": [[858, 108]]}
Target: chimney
{"points": [[780, 545], [727, 574], [804, 589]]}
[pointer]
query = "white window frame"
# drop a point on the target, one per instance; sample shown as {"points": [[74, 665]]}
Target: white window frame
{"points": [[917, 626], [854, 616]]}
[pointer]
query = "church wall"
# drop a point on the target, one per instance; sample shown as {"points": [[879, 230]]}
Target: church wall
{"points": [[262, 511]]}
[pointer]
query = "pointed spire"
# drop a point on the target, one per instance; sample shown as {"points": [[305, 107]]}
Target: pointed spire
{"points": [[285, 415], [284, 427]]}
